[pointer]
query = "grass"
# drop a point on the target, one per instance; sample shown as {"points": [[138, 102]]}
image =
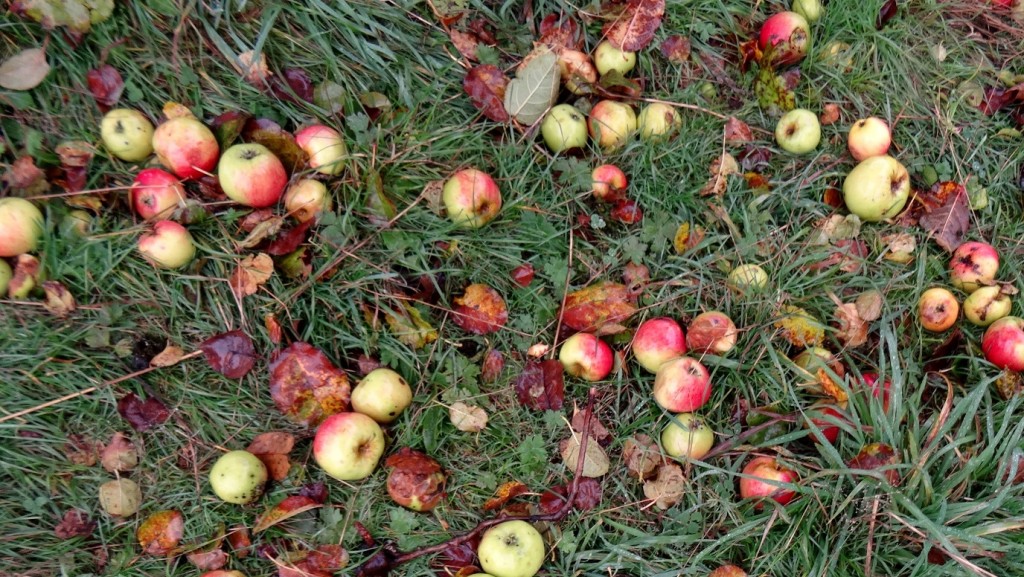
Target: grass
{"points": [[955, 436]]}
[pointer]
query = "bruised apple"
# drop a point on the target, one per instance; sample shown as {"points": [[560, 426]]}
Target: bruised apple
{"points": [[657, 341], [711, 332], [610, 123], [577, 71], [307, 199], [416, 481], [974, 264], [987, 305], [186, 147], [682, 385], [937, 309], [127, 134], [155, 193], [765, 478], [325, 147], [471, 198], [788, 35]]}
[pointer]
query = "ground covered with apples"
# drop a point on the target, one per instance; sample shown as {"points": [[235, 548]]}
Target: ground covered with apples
{"points": [[635, 288]]}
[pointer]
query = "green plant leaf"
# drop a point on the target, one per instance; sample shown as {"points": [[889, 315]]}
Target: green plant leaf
{"points": [[534, 89]]}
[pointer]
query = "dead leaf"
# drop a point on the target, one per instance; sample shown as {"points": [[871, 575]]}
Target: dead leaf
{"points": [[251, 272], [668, 488], [721, 168], [598, 431], [82, 450], [161, 532], [467, 418], [737, 132], [901, 247], [167, 357], [408, 325], [75, 523], [560, 32], [869, 305], [416, 481], [799, 327], [493, 365], [75, 156], [480, 310], [830, 114], [465, 43], [886, 13], [106, 86], [685, 239], [541, 385], [26, 177], [59, 301], [595, 460], [120, 454], [505, 493], [634, 28], [208, 560], [599, 309], [278, 140], [272, 449], [142, 415], [254, 69], [25, 70], [676, 49], [852, 330], [306, 387], [231, 354], [641, 455], [948, 224], [485, 85], [286, 509], [273, 328]]}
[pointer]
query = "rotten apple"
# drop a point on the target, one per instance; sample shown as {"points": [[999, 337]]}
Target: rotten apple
{"points": [[937, 309], [973, 265], [711, 332]]}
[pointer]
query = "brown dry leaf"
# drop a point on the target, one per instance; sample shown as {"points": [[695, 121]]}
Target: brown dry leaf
{"points": [[721, 168], [465, 42], [74, 523], [273, 328], [799, 327], [306, 387], [641, 455], [492, 366], [59, 301], [25, 177], [161, 532], [869, 305], [253, 271], [900, 247], [598, 431], [635, 27], [829, 115], [560, 32], [272, 449], [286, 509], [737, 132], [231, 354], [676, 49], [480, 310], [595, 461], [262, 230], [485, 85], [600, 309], [254, 68], [852, 330], [167, 357], [120, 454], [504, 494], [467, 418], [208, 560], [948, 224], [667, 489], [686, 239], [82, 450], [75, 156]]}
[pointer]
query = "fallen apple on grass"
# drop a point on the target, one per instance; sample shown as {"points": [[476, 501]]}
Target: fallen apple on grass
{"points": [[687, 435], [987, 305], [882, 390], [607, 58], [868, 137], [937, 309], [809, 9], [250, 174], [765, 478], [347, 446], [564, 128], [973, 265], [326, 148], [798, 131], [307, 199], [711, 332], [127, 134], [824, 416], [169, 245], [608, 183], [789, 37], [155, 193], [471, 198], [186, 147], [877, 188], [577, 70], [238, 477], [5, 276], [381, 395], [511, 549], [658, 341], [657, 121], [586, 356], [682, 385], [1003, 344], [611, 123], [747, 278], [21, 226]]}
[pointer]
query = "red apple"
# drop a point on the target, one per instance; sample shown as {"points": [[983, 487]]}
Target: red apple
{"points": [[155, 193], [169, 245], [347, 446], [307, 199], [763, 478], [711, 332], [586, 356], [878, 389], [789, 35], [325, 147], [1003, 343], [608, 183], [824, 416], [869, 137], [682, 385], [937, 309], [472, 198], [657, 341], [186, 147], [611, 123], [251, 175], [21, 225], [973, 265]]}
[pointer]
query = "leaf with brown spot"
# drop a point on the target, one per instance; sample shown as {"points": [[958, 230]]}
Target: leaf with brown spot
{"points": [[560, 31], [120, 454], [59, 301], [541, 385], [869, 305], [231, 354], [485, 85], [467, 418], [493, 365], [799, 327], [286, 509], [106, 86], [599, 309], [774, 92], [480, 310], [142, 415], [598, 431], [634, 28], [161, 532], [505, 493], [737, 132], [278, 140], [676, 49], [250, 274], [327, 559], [668, 488], [948, 224], [306, 387], [26, 177], [465, 43], [167, 357], [685, 239], [208, 560], [416, 480], [75, 523]]}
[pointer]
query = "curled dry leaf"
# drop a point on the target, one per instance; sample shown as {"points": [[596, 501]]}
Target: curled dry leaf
{"points": [[595, 460], [26, 177], [721, 168], [407, 324], [598, 431], [208, 560], [306, 387], [641, 455], [852, 330], [59, 301], [560, 32], [676, 49], [588, 496], [142, 415], [120, 454], [74, 523], [599, 309], [231, 354], [634, 28], [948, 223], [106, 86], [541, 385], [480, 310], [486, 85], [25, 70], [161, 532], [505, 493], [286, 509], [900, 247], [467, 418], [250, 274], [254, 68], [416, 481], [799, 327], [273, 328], [667, 488], [75, 156], [737, 132], [82, 450], [272, 449], [167, 357], [240, 541], [869, 305]]}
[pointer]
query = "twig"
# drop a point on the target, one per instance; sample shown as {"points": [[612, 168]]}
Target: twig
{"points": [[738, 439]]}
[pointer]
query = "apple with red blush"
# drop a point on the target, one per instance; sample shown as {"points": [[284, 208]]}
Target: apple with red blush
{"points": [[347, 446], [788, 35], [682, 385], [711, 332], [868, 137], [168, 245], [21, 226], [586, 356], [824, 416], [250, 174], [608, 183], [155, 193], [765, 478], [186, 147], [879, 389], [973, 265], [471, 198], [325, 147], [657, 341], [1003, 343]]}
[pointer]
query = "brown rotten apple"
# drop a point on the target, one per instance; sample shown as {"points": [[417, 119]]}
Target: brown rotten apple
{"points": [[186, 147], [937, 309], [416, 481], [973, 265], [711, 332], [307, 199]]}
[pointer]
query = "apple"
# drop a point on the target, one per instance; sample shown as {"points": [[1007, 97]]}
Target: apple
{"points": [[21, 225], [471, 198], [682, 385], [5, 276], [937, 309], [877, 456], [687, 436], [789, 36], [347, 446], [973, 265], [169, 245], [798, 131], [577, 71], [608, 183], [607, 58], [223, 573], [238, 477], [564, 128], [883, 389], [747, 278], [814, 364], [763, 477], [657, 341], [986, 305], [877, 188], [382, 395], [186, 147], [1003, 343], [657, 121], [809, 9], [611, 123], [76, 224], [416, 481], [585, 356], [868, 137], [325, 147], [127, 134], [722, 571], [823, 416], [711, 332], [251, 175], [26, 278], [155, 193], [511, 549], [307, 199]]}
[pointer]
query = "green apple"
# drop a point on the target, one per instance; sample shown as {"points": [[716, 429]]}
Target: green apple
{"points": [[687, 436], [877, 188], [747, 277], [563, 128], [798, 131], [382, 395], [607, 58], [127, 134], [809, 9], [986, 305], [238, 477], [5, 276], [169, 245], [657, 121], [511, 549]]}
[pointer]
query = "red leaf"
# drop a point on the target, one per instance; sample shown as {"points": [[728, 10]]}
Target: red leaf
{"points": [[588, 496], [522, 275], [627, 211], [231, 354], [208, 560], [286, 509], [142, 415], [75, 523], [676, 49], [600, 309], [994, 99], [74, 161], [505, 493], [738, 132], [480, 310], [634, 29], [540, 386], [485, 85], [454, 558], [949, 223], [240, 541], [560, 32], [295, 81], [327, 559], [228, 127], [315, 491], [494, 363], [161, 532], [287, 241], [281, 142], [886, 13], [106, 86], [306, 386]]}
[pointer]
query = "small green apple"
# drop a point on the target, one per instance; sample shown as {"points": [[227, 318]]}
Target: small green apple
{"points": [[607, 58], [511, 549], [687, 436], [382, 395], [238, 477], [564, 128], [798, 131]]}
